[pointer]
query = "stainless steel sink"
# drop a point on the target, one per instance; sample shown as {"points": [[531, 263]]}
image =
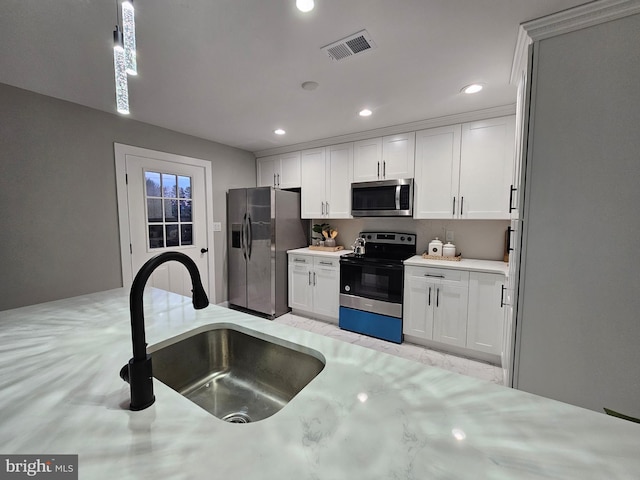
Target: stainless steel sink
{"points": [[233, 374]]}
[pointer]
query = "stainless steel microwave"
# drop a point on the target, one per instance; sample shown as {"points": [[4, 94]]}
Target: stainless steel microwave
{"points": [[382, 198]]}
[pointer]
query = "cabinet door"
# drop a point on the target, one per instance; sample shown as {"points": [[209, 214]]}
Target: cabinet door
{"points": [[450, 314], [289, 174], [486, 165], [300, 288], [267, 171], [417, 312], [367, 159], [398, 156], [437, 172], [326, 289], [339, 178], [486, 316], [313, 196]]}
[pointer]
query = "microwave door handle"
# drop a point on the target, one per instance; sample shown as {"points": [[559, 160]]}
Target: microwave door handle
{"points": [[397, 197]]}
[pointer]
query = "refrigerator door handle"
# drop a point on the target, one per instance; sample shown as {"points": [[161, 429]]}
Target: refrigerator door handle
{"points": [[242, 236], [249, 237]]}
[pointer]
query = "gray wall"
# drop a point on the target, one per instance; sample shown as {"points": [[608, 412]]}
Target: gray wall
{"points": [[58, 206], [579, 310]]}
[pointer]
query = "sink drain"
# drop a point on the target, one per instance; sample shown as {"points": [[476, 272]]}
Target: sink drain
{"points": [[237, 417]]}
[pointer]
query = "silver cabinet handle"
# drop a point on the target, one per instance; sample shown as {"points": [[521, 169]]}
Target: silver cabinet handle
{"points": [[432, 275], [454, 206], [309, 277], [429, 296], [300, 260], [326, 263], [437, 297], [502, 304], [461, 204], [278, 179], [384, 169], [378, 169], [274, 180], [327, 208], [314, 279]]}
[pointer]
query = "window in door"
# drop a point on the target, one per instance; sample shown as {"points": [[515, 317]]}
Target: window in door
{"points": [[169, 210]]}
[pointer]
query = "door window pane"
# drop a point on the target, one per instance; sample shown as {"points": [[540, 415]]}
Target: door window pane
{"points": [[173, 240], [171, 210], [185, 210], [168, 185], [156, 236], [185, 234], [154, 210], [152, 180], [184, 187]]}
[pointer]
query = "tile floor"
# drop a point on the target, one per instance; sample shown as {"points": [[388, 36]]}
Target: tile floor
{"points": [[464, 366]]}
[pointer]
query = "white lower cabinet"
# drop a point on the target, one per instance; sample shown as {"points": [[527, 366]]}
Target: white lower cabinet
{"points": [[314, 285], [435, 304], [454, 307]]}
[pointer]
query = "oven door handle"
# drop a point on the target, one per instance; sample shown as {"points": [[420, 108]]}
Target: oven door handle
{"points": [[361, 263], [397, 197]]}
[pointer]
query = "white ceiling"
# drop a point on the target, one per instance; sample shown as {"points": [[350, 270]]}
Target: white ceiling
{"points": [[231, 70]]}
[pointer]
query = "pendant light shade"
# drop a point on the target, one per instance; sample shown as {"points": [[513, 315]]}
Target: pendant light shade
{"points": [[119, 66], [129, 31]]}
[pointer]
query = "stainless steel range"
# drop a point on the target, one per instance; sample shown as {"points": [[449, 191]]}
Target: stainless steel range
{"points": [[371, 285]]}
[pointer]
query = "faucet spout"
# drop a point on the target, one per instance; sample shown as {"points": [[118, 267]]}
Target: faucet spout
{"points": [[139, 373]]}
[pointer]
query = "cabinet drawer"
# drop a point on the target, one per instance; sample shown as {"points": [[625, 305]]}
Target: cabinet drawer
{"points": [[300, 260], [439, 274], [325, 262]]}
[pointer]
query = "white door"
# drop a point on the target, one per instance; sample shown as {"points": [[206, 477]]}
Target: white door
{"points": [[300, 293], [326, 299], [367, 156], [450, 314], [167, 212]]}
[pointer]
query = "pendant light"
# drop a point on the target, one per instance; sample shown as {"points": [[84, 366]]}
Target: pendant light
{"points": [[129, 31], [119, 66]]}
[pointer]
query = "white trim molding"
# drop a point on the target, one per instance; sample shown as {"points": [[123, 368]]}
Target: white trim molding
{"points": [[583, 16]]}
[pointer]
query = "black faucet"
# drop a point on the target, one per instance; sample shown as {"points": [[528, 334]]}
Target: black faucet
{"points": [[138, 371]]}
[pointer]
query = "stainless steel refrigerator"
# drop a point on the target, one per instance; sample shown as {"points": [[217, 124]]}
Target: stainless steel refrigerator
{"points": [[263, 224]]}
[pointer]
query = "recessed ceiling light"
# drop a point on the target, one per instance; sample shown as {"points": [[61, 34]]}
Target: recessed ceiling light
{"points": [[279, 131], [304, 5], [309, 85], [365, 112], [473, 88]]}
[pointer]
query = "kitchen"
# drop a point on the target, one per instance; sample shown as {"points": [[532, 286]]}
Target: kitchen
{"points": [[49, 263]]}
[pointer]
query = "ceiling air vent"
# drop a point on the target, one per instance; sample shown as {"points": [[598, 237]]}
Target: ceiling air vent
{"points": [[347, 47]]}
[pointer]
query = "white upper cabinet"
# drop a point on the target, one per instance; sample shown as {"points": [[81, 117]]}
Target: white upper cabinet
{"points": [[326, 181], [465, 171], [437, 172], [384, 158], [279, 171], [486, 168], [339, 177]]}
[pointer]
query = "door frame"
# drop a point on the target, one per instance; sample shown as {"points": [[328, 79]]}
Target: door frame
{"points": [[120, 153]]}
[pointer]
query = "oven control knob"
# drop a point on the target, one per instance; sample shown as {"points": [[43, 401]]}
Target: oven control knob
{"points": [[402, 239], [347, 288], [408, 239], [368, 237]]}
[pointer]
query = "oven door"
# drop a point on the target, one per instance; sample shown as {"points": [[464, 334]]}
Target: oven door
{"points": [[374, 280]]}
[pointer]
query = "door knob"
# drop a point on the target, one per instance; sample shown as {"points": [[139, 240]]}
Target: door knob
{"points": [[204, 250]]}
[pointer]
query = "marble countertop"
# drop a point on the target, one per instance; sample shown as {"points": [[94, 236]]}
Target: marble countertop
{"points": [[319, 253], [367, 415], [486, 266]]}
